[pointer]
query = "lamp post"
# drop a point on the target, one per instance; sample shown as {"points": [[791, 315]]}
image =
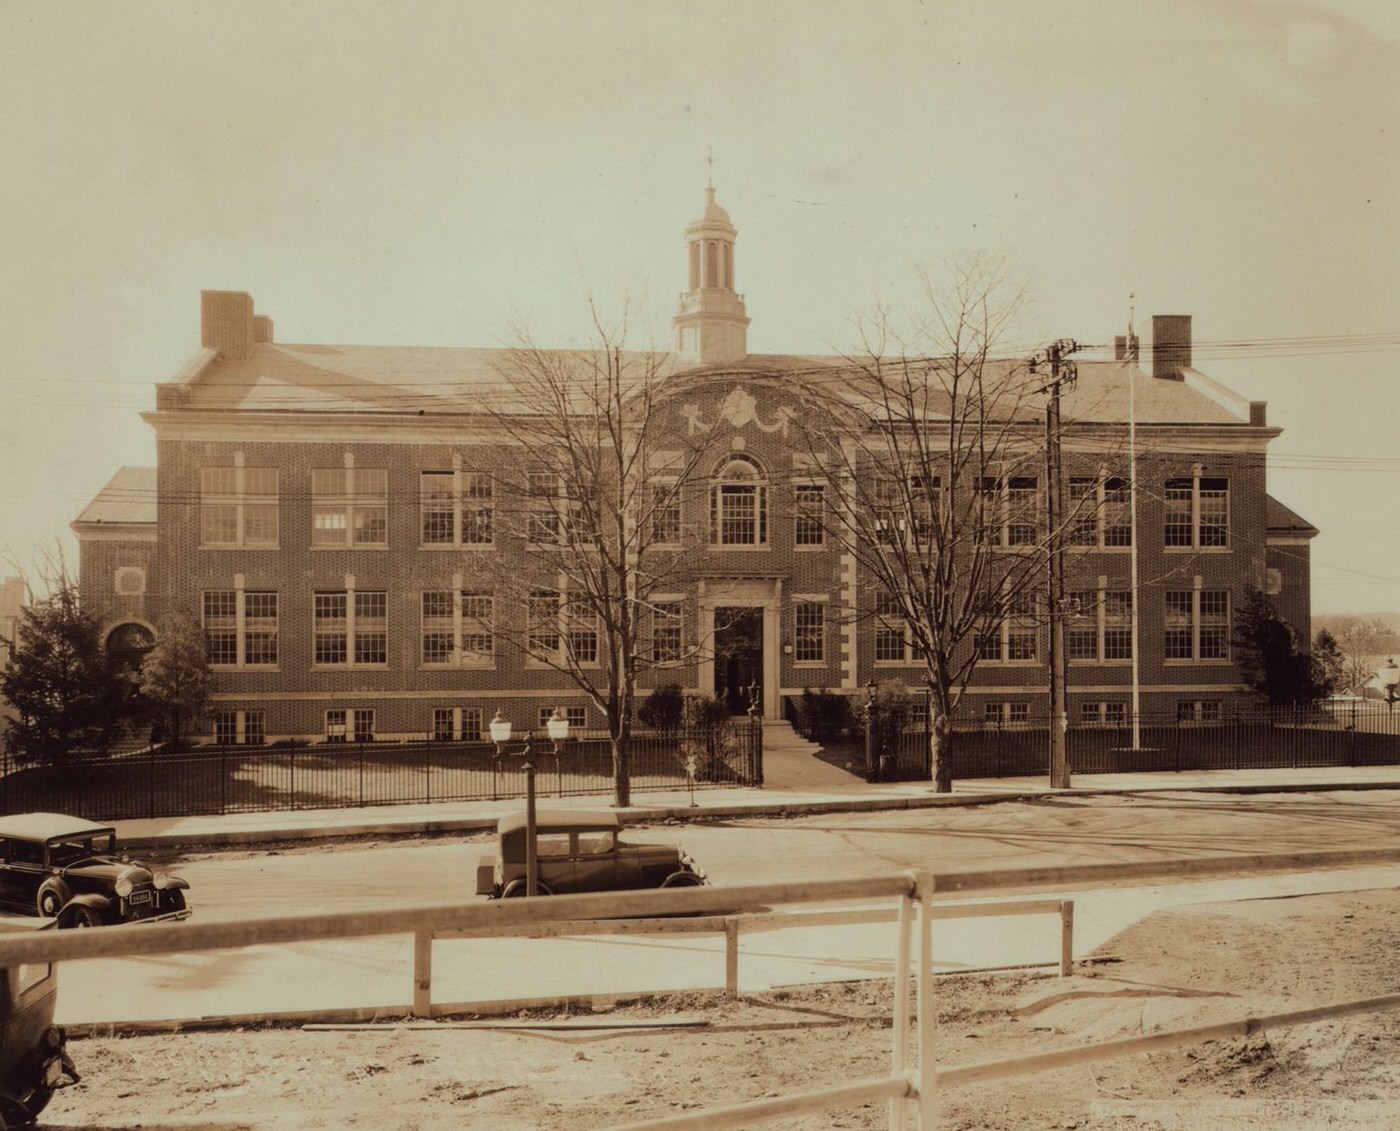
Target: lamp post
{"points": [[500, 735], [557, 726]]}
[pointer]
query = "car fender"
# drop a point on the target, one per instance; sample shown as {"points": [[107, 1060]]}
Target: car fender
{"points": [[174, 883], [96, 903], [519, 886], [684, 878], [56, 885]]}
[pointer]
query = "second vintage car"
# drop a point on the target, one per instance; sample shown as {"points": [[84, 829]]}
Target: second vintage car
{"points": [[579, 850], [66, 868]]}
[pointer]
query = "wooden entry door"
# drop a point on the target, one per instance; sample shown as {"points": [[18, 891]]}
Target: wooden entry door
{"points": [[738, 656]]}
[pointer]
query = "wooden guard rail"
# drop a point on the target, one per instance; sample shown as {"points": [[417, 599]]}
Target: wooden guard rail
{"points": [[917, 1083]]}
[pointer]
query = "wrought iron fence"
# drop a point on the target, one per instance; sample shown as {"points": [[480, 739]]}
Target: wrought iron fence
{"points": [[1348, 734], [326, 775]]}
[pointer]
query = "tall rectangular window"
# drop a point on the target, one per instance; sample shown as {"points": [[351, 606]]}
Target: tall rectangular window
{"points": [[240, 627], [1197, 624], [543, 522], [437, 507], [665, 632], [542, 613], [809, 521], [457, 629], [1197, 511], [238, 507], [891, 633], [665, 514], [1010, 509], [350, 629], [809, 632], [1015, 638], [1098, 512], [349, 507], [582, 623], [1101, 628]]}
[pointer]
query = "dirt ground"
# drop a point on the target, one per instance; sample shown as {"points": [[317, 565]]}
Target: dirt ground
{"points": [[1191, 966]]}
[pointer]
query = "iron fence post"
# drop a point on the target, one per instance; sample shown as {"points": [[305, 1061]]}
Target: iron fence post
{"points": [[151, 784], [292, 775], [223, 779], [362, 777]]}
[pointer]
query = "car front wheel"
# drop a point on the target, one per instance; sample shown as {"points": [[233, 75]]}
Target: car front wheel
{"points": [[81, 917], [682, 880]]}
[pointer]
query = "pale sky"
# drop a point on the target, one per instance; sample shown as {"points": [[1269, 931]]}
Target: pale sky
{"points": [[434, 173]]}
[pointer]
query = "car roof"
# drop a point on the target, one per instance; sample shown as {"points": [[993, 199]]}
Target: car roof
{"points": [[46, 826], [560, 819]]}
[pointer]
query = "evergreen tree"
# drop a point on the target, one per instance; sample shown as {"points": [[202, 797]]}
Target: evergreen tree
{"points": [[175, 677], [1331, 663], [1270, 661], [63, 697]]}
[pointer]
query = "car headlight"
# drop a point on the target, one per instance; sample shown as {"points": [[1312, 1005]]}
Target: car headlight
{"points": [[160, 880], [123, 885]]}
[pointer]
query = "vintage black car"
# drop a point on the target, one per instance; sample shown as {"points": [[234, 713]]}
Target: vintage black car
{"points": [[33, 1059], [68, 869], [578, 850]]}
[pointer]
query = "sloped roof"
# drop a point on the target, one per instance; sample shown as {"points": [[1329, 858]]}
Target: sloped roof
{"points": [[321, 378], [129, 497], [1278, 519]]}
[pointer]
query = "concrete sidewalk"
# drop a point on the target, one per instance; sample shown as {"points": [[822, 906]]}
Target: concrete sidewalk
{"points": [[717, 804]]}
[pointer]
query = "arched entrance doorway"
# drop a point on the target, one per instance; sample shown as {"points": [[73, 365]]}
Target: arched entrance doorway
{"points": [[127, 645]]}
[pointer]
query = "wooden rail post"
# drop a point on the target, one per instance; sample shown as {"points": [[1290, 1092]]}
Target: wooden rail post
{"points": [[1066, 938], [928, 1010], [731, 957], [900, 1056], [422, 974]]}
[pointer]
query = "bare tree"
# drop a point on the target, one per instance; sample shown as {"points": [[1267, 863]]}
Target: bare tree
{"points": [[588, 517], [934, 466], [1361, 642]]}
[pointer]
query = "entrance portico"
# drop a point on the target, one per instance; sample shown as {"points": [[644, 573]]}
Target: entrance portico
{"points": [[739, 623]]}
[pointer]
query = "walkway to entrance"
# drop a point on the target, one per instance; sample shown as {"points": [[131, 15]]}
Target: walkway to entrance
{"points": [[791, 762]]}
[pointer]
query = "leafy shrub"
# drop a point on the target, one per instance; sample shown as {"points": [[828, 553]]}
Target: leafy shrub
{"points": [[663, 708], [823, 714]]}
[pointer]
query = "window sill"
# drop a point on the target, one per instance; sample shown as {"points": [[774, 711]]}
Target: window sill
{"points": [[1212, 663], [349, 667], [381, 546], [811, 549], [235, 546], [894, 663], [245, 668], [746, 548], [457, 546], [1099, 549], [810, 664], [456, 667], [1196, 549]]}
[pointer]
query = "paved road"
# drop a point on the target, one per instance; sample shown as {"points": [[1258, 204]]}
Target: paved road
{"points": [[1064, 830]]}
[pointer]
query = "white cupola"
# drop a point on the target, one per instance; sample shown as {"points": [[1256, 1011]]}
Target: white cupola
{"points": [[711, 326]]}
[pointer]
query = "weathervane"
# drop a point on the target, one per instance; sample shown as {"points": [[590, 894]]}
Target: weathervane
{"points": [[710, 161]]}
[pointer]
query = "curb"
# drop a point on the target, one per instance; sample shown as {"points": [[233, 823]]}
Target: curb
{"points": [[648, 815]]}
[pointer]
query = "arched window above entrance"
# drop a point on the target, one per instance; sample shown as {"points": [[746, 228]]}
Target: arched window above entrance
{"points": [[739, 504]]}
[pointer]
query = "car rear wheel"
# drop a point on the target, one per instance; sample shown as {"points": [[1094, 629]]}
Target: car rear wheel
{"points": [[516, 891]]}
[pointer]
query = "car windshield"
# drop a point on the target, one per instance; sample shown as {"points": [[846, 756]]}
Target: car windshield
{"points": [[71, 849]]}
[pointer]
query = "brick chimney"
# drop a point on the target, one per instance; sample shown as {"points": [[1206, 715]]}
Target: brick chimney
{"points": [[1171, 345], [226, 323]]}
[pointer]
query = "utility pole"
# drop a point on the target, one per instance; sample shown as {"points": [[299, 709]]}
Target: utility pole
{"points": [[1062, 373]]}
